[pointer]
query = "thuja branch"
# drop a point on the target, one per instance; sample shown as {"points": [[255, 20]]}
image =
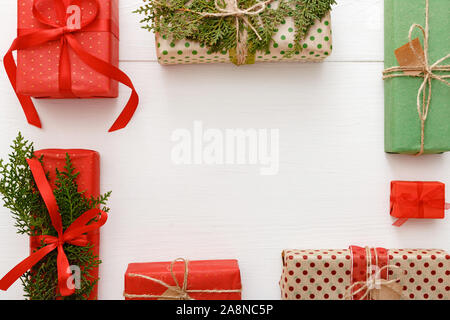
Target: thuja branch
{"points": [[182, 19], [20, 196]]}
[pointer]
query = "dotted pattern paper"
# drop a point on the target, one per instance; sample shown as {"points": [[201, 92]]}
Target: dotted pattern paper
{"points": [[317, 45], [326, 274], [38, 67]]}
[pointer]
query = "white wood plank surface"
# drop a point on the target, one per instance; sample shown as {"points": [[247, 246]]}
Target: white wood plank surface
{"points": [[332, 189]]}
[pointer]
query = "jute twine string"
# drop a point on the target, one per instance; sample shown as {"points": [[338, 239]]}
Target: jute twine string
{"points": [[230, 8], [182, 292], [427, 72], [374, 281]]}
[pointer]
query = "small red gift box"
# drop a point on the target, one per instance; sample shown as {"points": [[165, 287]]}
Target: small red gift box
{"points": [[183, 280], [87, 163], [417, 200], [67, 49]]}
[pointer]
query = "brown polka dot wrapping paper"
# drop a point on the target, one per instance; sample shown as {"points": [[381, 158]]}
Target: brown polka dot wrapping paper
{"points": [[333, 274], [317, 45]]}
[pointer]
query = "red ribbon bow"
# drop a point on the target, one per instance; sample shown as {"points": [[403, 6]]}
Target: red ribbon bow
{"points": [[59, 31], [74, 234]]}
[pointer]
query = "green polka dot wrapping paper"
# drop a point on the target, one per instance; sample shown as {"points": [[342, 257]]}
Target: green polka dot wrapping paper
{"points": [[314, 46], [403, 127], [338, 274]]}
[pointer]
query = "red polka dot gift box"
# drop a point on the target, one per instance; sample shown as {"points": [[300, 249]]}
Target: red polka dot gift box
{"points": [[417, 200], [67, 49], [365, 274], [183, 280]]}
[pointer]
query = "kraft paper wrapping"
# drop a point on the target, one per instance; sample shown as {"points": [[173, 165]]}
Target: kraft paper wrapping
{"points": [[317, 46], [326, 274]]}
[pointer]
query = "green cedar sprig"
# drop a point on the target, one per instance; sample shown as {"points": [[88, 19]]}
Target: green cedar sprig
{"points": [[178, 20], [31, 216]]}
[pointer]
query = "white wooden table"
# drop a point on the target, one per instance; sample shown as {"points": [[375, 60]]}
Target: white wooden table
{"points": [[332, 189]]}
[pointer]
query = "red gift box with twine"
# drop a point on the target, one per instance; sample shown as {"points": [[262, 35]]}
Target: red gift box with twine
{"points": [[67, 49], [417, 200], [183, 280]]}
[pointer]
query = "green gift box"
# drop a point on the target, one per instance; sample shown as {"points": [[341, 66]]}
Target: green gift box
{"points": [[405, 132]]}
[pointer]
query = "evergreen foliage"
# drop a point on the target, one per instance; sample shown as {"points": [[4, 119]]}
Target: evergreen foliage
{"points": [[179, 19], [31, 216]]}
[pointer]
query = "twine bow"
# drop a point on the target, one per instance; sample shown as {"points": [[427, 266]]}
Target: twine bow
{"points": [[75, 234], [230, 8], [177, 292], [373, 281], [427, 72]]}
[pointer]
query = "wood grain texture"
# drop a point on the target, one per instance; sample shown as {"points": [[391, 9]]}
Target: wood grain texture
{"points": [[332, 189]]}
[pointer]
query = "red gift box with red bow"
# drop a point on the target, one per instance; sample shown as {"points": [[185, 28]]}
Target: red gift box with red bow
{"points": [[67, 49], [417, 200], [82, 232], [87, 163], [37, 67]]}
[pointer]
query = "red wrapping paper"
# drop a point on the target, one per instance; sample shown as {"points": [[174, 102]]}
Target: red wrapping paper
{"points": [[359, 273], [87, 163], [417, 199], [202, 275], [37, 67]]}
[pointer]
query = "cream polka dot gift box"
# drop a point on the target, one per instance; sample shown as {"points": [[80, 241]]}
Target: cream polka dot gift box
{"points": [[240, 31], [365, 274]]}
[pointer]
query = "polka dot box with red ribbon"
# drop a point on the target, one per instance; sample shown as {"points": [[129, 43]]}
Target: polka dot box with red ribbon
{"points": [[328, 274]]}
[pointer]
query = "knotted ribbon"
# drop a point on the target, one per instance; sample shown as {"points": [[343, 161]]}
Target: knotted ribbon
{"points": [[427, 72], [366, 288], [177, 292], [75, 234], [58, 30]]}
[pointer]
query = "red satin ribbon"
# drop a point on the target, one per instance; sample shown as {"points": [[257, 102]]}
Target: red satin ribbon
{"points": [[74, 234], [59, 31], [422, 201], [360, 263]]}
